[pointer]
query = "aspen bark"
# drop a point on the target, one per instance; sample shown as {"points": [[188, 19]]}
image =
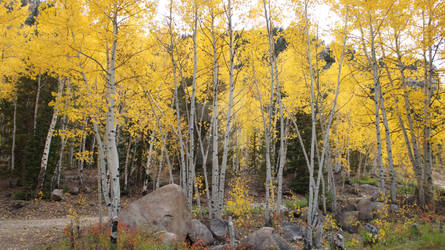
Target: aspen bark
{"points": [[147, 166], [204, 154], [110, 131], [163, 140], [58, 169], [215, 128], [103, 171], [268, 128], [427, 88], [372, 59], [392, 189], [191, 166], [313, 218], [71, 156], [412, 147], [44, 161], [14, 129], [36, 103], [81, 161], [127, 157], [229, 110], [282, 162], [178, 115]]}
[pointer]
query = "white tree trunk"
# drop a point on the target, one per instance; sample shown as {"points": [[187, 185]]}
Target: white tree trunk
{"points": [[110, 132], [313, 219], [222, 175], [58, 169], [81, 161], [188, 189], [372, 60], [427, 151], [412, 147], [36, 103], [14, 129], [44, 161], [147, 165], [178, 115], [393, 191], [127, 157], [267, 132]]}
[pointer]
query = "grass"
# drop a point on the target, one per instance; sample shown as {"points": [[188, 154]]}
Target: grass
{"points": [[365, 180], [204, 211], [408, 187], [426, 236], [400, 236], [294, 204]]}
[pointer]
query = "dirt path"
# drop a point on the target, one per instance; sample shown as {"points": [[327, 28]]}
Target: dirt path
{"points": [[26, 234]]}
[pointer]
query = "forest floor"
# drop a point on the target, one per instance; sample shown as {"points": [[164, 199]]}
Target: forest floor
{"points": [[26, 224], [29, 233], [36, 223]]}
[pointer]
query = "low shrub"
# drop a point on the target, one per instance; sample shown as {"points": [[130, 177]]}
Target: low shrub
{"points": [[98, 237], [365, 180]]}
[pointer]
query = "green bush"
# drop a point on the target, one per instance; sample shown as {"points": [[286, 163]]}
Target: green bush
{"points": [[425, 236], [23, 195], [408, 187], [365, 180], [295, 204]]}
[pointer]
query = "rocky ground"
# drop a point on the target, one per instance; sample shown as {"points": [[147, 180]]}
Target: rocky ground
{"points": [[27, 224]]}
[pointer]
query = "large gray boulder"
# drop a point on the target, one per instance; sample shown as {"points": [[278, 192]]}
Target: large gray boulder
{"points": [[200, 233], [219, 229], [265, 238], [337, 240], [369, 210], [292, 231], [365, 210], [57, 195], [348, 221], [74, 190], [168, 239], [162, 210]]}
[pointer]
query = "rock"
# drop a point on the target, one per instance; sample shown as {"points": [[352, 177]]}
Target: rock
{"points": [[349, 207], [284, 209], [349, 221], [221, 247], [74, 190], [410, 201], [337, 240], [370, 209], [57, 195], [376, 196], [13, 182], [292, 231], [365, 211], [369, 187], [219, 229], [200, 233], [394, 208], [162, 210], [265, 238], [440, 206], [378, 209], [17, 204], [168, 238], [86, 189], [371, 229]]}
